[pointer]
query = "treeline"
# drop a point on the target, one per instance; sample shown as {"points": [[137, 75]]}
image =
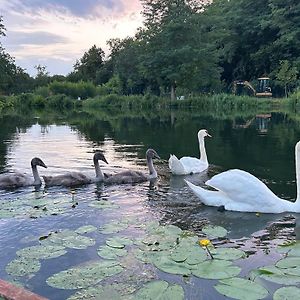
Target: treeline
{"points": [[185, 48]]}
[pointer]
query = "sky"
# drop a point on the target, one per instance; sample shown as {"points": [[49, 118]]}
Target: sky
{"points": [[55, 33]]}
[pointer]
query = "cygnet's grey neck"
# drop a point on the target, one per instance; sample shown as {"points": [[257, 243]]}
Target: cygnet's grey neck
{"points": [[99, 174], [203, 156], [152, 171], [37, 179]]}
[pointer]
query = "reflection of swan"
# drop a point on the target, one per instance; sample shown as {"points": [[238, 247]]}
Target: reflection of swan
{"points": [[77, 178], [131, 176], [238, 190], [18, 179], [189, 165]]}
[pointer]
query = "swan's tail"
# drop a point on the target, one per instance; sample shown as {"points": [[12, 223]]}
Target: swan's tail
{"points": [[176, 166], [211, 198]]}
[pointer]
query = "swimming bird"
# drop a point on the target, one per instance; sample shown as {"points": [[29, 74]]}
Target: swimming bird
{"points": [[14, 180], [76, 178], [238, 190], [131, 176], [190, 165]]}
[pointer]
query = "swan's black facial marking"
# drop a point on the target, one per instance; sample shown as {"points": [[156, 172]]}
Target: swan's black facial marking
{"points": [[99, 156]]}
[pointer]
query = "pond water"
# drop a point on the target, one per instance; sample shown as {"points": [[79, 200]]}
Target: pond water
{"points": [[262, 144]]}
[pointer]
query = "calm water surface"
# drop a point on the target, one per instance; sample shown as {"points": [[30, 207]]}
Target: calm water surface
{"points": [[260, 144]]}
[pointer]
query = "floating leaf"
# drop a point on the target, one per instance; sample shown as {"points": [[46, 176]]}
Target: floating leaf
{"points": [[191, 254], [168, 265], [214, 231], [238, 288], [23, 266], [85, 229], [216, 269], [227, 253], [289, 262], [277, 275], [84, 276], [68, 239], [118, 242], [286, 293], [42, 252], [107, 252], [160, 290], [96, 293], [103, 204], [113, 227]]}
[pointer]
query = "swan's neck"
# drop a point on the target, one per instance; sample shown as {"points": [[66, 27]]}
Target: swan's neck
{"points": [[203, 156], [152, 171], [36, 176], [99, 174]]}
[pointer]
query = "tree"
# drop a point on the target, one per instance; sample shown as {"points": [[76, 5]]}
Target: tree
{"points": [[179, 51], [90, 63], [42, 77], [287, 75]]}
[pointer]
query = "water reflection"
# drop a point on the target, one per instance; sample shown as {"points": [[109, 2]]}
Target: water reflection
{"points": [[69, 143]]}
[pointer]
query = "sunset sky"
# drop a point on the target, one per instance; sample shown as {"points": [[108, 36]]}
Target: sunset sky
{"points": [[54, 33]]}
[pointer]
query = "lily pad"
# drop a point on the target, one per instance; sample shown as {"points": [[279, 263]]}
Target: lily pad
{"points": [[227, 253], [103, 204], [85, 229], [214, 231], [107, 252], [118, 242], [113, 227], [216, 269], [191, 254], [277, 275], [84, 276], [23, 266], [238, 288], [289, 262], [42, 252], [68, 239], [166, 264], [160, 290], [286, 293]]}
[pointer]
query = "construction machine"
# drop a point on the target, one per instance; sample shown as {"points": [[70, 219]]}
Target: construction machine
{"points": [[263, 87]]}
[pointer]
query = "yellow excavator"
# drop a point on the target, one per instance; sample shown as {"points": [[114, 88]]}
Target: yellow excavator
{"points": [[263, 87]]}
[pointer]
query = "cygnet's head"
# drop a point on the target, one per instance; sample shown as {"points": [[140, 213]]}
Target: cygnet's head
{"points": [[99, 156], [203, 133], [37, 162], [150, 153]]}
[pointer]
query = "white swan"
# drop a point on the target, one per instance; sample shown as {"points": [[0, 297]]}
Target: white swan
{"points": [[77, 178], [190, 165], [131, 176], [14, 180], [238, 190]]}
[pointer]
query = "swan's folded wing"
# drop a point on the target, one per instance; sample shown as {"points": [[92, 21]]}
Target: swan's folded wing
{"points": [[193, 164], [176, 166], [243, 187]]}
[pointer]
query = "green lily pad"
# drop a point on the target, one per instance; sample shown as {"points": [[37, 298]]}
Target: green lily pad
{"points": [[289, 262], [214, 231], [191, 254], [166, 264], [85, 229], [238, 288], [84, 276], [227, 253], [103, 204], [118, 242], [68, 239], [286, 293], [216, 269], [160, 290], [23, 266], [42, 252], [96, 293], [107, 252], [148, 256], [113, 227], [277, 275]]}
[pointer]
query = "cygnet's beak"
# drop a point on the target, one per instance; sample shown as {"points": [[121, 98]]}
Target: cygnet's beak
{"points": [[207, 134], [43, 165], [156, 156], [104, 159]]}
